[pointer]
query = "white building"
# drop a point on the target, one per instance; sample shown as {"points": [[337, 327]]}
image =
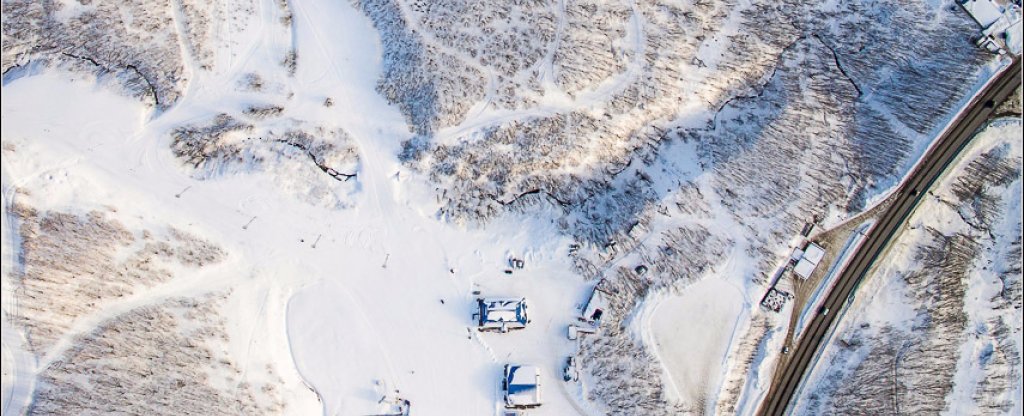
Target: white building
{"points": [[521, 384], [501, 314], [814, 253], [809, 258], [596, 305], [1000, 25], [985, 12]]}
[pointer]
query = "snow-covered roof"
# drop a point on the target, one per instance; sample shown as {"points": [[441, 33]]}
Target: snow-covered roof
{"points": [[804, 268], [598, 300], [813, 253], [985, 12], [503, 310], [797, 254], [502, 315], [523, 386]]}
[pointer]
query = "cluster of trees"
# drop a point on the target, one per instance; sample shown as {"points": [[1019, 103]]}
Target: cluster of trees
{"points": [[506, 37], [208, 147], [165, 358], [896, 369], [976, 189], [804, 141], [196, 18], [134, 42], [750, 347], [810, 112], [432, 88], [505, 41], [311, 156], [75, 264], [620, 371], [570, 158], [593, 47], [162, 359]]}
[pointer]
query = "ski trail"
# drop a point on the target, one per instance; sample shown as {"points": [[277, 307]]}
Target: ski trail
{"points": [[18, 364]]}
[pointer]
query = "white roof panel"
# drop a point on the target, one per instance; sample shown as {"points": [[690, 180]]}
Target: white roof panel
{"points": [[804, 268], [813, 253], [985, 12], [524, 387]]}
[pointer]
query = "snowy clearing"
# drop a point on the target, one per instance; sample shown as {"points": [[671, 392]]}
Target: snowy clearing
{"points": [[691, 334]]}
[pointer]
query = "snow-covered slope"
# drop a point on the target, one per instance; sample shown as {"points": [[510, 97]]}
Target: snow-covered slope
{"points": [[937, 327], [274, 206]]}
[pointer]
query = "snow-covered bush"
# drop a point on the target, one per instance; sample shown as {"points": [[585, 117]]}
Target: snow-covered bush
{"points": [[953, 344], [162, 359], [318, 158], [135, 41], [74, 264], [433, 88]]}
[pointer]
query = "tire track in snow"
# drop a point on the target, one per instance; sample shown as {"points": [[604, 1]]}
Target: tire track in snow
{"points": [[18, 378]]}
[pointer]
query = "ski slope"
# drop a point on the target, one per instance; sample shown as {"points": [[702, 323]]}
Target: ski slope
{"points": [[351, 305]]}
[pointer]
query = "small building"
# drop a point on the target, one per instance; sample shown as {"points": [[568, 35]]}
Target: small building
{"points": [[807, 230], [813, 253], [808, 260], [501, 314], [985, 12], [521, 385], [774, 300], [797, 254], [596, 305], [1000, 24]]}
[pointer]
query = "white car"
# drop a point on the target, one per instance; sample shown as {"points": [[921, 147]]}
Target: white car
{"points": [[570, 372], [521, 385]]}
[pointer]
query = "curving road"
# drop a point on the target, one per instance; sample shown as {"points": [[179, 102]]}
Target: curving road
{"points": [[947, 147]]}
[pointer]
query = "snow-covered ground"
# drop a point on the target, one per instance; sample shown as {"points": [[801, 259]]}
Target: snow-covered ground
{"points": [[355, 328], [367, 302], [342, 268], [936, 327], [692, 333]]}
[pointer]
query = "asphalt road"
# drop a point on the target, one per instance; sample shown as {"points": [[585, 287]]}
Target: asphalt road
{"points": [[948, 146]]}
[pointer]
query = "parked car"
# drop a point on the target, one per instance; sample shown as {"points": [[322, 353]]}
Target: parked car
{"points": [[570, 372]]}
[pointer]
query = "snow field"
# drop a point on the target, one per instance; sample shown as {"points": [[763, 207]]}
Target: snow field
{"points": [[307, 284], [692, 334]]}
